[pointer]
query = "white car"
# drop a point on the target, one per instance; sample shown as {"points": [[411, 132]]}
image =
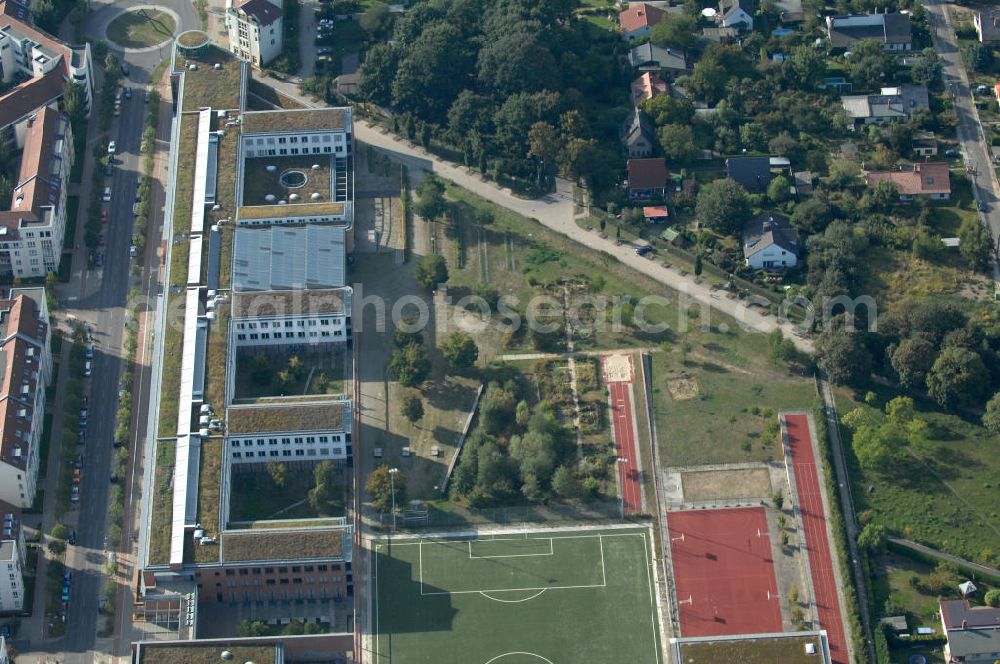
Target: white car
{"points": [[112, 147], [131, 251], [106, 196]]}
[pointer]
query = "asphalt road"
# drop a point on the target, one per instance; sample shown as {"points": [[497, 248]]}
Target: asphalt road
{"points": [[974, 146], [103, 309]]}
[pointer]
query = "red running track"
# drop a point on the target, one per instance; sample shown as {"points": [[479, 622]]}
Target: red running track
{"points": [[628, 470], [724, 572], [817, 542]]}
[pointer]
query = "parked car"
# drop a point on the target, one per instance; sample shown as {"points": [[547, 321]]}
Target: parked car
{"points": [[128, 93], [106, 196], [118, 109], [109, 168], [124, 68], [72, 537], [114, 478], [74, 494], [952, 153], [149, 95], [104, 216], [112, 147], [99, 258], [88, 367], [325, 50], [643, 250], [81, 437], [88, 351], [132, 251], [78, 461], [138, 192]]}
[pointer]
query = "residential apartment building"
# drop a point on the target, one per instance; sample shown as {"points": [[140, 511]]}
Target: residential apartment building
{"points": [[25, 370], [31, 232], [43, 62], [11, 562], [255, 31]]}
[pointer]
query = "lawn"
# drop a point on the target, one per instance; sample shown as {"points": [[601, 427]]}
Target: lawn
{"points": [[141, 28], [585, 596], [209, 481], [280, 372], [944, 493], [206, 86], [254, 496], [162, 503], [710, 409]]}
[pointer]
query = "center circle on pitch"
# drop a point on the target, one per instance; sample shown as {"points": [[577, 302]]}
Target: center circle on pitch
{"points": [[519, 657]]}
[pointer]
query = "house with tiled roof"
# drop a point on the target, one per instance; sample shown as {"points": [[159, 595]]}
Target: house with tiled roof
{"points": [[666, 61], [770, 242], [638, 20], [928, 179], [32, 230], [647, 178], [647, 86], [987, 25], [254, 30], [973, 632], [637, 135], [889, 105], [736, 14], [25, 371], [892, 30], [44, 62]]}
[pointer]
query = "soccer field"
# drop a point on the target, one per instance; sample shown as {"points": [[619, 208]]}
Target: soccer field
{"points": [[526, 598]]}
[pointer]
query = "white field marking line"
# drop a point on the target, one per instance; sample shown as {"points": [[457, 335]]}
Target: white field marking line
{"points": [[525, 529], [514, 555], [512, 601], [425, 540], [507, 590], [604, 573], [518, 652], [653, 604]]}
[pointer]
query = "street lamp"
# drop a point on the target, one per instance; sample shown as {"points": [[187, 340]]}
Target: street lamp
{"points": [[392, 490]]}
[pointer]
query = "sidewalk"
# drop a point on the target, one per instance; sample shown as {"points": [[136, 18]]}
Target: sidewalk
{"points": [[33, 628], [556, 211]]}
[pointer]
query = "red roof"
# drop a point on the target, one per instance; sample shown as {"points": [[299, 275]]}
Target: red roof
{"points": [[647, 86], [647, 173], [34, 93], [924, 178], [39, 179], [640, 16], [655, 212], [22, 334]]}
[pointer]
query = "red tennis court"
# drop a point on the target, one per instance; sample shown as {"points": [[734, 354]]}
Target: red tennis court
{"points": [[724, 572], [817, 542]]}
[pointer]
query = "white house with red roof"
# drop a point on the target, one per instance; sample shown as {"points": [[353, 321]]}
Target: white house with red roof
{"points": [[254, 30], [638, 20]]}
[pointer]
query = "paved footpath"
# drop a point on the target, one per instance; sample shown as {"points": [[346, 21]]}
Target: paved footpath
{"points": [[556, 212]]}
